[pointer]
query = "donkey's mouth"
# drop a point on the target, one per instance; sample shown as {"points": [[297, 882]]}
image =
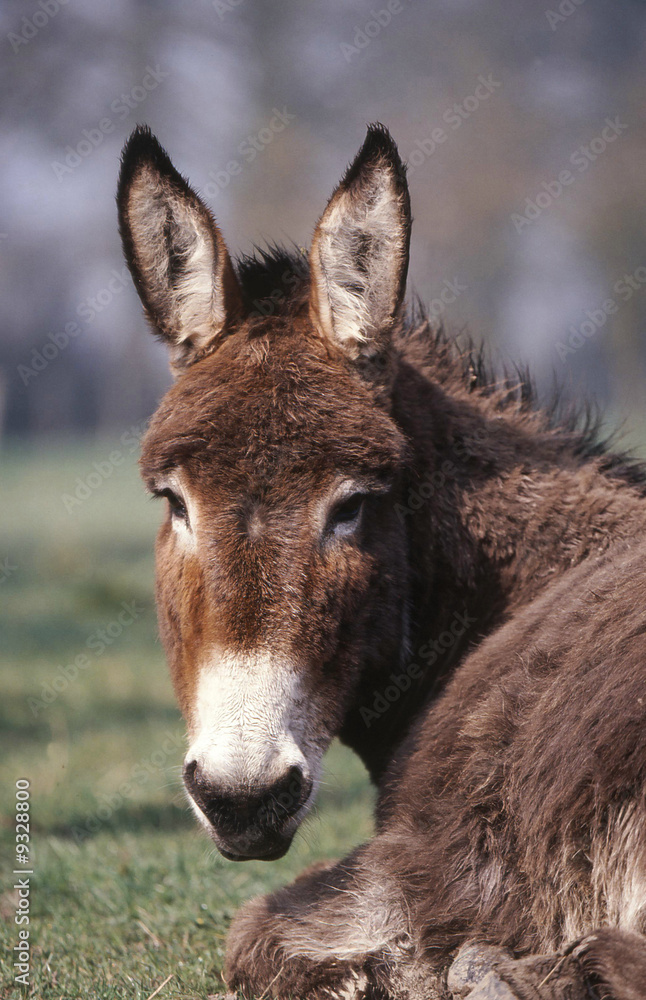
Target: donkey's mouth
{"points": [[247, 826], [271, 855], [253, 844], [265, 841]]}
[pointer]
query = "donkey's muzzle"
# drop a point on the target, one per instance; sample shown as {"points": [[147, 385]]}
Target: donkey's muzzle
{"points": [[254, 823]]}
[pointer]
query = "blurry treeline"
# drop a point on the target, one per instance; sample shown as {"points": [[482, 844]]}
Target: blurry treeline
{"points": [[522, 121]]}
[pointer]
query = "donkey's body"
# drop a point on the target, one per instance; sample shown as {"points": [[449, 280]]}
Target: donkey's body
{"points": [[498, 501], [512, 809], [515, 814], [352, 507]]}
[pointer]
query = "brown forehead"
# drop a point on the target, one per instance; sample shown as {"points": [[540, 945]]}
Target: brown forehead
{"points": [[271, 405]]}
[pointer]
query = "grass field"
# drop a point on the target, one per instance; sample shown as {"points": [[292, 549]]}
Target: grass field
{"points": [[125, 891]]}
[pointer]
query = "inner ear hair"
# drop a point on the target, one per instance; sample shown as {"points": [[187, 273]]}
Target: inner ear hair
{"points": [[359, 258], [175, 252]]}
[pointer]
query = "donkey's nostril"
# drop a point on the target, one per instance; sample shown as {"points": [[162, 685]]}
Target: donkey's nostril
{"points": [[188, 774], [290, 792], [233, 812]]}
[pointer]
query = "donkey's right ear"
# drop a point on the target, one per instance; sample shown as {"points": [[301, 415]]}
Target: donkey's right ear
{"points": [[359, 256], [176, 255]]}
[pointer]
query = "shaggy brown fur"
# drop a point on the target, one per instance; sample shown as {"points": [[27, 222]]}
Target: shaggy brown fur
{"points": [[510, 804], [515, 813]]}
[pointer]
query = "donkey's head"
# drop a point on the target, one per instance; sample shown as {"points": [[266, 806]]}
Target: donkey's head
{"points": [[281, 566]]}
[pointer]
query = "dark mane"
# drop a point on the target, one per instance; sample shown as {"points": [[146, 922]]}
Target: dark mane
{"points": [[579, 423], [273, 279]]}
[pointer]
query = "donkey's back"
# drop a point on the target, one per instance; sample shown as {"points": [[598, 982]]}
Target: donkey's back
{"points": [[535, 811]]}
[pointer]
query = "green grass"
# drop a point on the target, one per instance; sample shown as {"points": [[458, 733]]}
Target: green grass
{"points": [[126, 890]]}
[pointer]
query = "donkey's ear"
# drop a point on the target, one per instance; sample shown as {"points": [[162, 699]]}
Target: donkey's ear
{"points": [[359, 257], [176, 255]]}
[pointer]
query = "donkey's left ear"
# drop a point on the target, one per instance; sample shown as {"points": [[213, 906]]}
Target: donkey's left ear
{"points": [[176, 255], [359, 256]]}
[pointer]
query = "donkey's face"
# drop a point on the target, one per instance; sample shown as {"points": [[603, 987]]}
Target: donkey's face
{"points": [[281, 567]]}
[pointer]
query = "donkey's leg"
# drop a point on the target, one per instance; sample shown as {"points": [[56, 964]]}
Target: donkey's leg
{"points": [[344, 932], [488, 972], [339, 931], [614, 964], [607, 965]]}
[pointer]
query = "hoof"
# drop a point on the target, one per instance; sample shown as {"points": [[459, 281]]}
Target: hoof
{"points": [[492, 988], [484, 972], [474, 970]]}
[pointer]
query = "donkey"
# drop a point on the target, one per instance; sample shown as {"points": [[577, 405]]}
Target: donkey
{"points": [[352, 506], [515, 813]]}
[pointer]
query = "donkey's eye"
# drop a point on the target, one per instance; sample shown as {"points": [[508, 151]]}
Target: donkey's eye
{"points": [[347, 513], [176, 504]]}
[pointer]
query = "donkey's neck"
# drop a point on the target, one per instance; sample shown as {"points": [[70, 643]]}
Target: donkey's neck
{"points": [[497, 504]]}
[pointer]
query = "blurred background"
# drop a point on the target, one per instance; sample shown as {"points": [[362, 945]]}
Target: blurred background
{"points": [[209, 77], [523, 125]]}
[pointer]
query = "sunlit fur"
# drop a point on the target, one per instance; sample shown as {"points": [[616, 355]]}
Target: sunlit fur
{"points": [[511, 767]]}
